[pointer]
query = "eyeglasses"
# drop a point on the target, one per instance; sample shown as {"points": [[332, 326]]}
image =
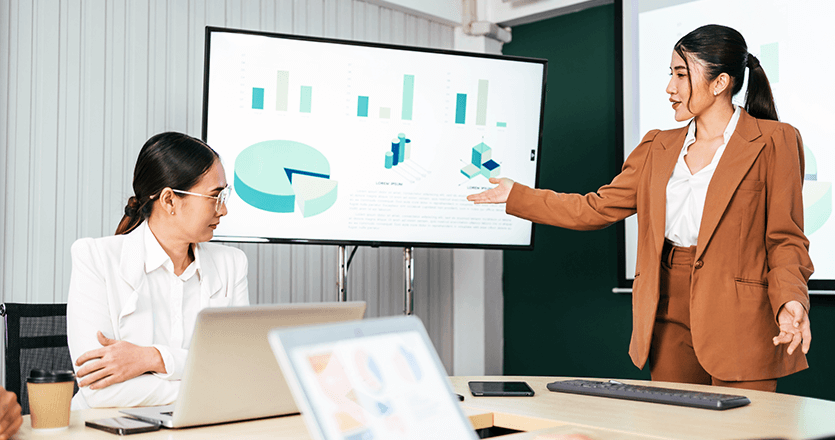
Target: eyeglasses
{"points": [[220, 199]]}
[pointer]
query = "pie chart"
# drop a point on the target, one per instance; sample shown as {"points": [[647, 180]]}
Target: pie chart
{"points": [[280, 175]]}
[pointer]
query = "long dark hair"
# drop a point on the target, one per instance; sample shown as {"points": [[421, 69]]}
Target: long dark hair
{"points": [[167, 160], [722, 49]]}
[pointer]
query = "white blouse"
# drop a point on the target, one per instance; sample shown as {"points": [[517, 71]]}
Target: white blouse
{"points": [[686, 191], [175, 301]]}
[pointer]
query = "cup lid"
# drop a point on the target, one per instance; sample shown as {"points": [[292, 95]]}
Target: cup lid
{"points": [[45, 376]]}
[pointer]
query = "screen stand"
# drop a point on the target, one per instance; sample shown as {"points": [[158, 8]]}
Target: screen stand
{"points": [[409, 275], [341, 275]]}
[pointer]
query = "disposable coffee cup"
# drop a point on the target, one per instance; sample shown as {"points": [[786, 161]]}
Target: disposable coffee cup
{"points": [[50, 396]]}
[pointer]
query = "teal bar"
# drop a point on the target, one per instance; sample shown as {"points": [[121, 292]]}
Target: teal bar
{"points": [[501, 124], [408, 96], [257, 98], [481, 106], [362, 106], [307, 97], [461, 108]]}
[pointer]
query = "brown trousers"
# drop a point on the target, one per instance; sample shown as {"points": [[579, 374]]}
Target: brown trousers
{"points": [[671, 357]]}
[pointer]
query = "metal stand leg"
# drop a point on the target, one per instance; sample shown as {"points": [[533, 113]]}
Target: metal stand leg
{"points": [[409, 272], [341, 275]]}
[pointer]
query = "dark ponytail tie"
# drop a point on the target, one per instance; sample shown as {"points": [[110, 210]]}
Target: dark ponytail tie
{"points": [[753, 62], [132, 208]]}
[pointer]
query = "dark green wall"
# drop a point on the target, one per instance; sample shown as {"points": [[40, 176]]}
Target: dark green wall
{"points": [[561, 317]]}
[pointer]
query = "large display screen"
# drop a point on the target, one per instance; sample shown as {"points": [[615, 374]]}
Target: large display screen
{"points": [[786, 36], [329, 141]]}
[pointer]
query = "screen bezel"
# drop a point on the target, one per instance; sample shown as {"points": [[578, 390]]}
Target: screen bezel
{"points": [[385, 243]]}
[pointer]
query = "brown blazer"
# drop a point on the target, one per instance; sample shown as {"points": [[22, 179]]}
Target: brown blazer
{"points": [[752, 256]]}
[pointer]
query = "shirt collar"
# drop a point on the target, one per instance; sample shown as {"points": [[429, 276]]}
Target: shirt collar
{"points": [[155, 256], [729, 129]]}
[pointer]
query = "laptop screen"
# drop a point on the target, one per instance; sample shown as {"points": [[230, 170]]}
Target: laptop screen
{"points": [[378, 386]]}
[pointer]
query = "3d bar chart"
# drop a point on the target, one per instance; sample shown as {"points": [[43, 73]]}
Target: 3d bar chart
{"points": [[481, 163], [401, 150]]}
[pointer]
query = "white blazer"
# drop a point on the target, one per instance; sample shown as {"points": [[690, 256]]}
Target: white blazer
{"points": [[108, 292]]}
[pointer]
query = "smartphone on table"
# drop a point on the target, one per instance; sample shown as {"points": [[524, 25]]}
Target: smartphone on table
{"points": [[516, 388], [122, 425]]}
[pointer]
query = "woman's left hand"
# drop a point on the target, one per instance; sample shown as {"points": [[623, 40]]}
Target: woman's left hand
{"points": [[116, 362], [794, 327]]}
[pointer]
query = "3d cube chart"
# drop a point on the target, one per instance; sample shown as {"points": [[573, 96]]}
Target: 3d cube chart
{"points": [[482, 163], [490, 169], [470, 171], [481, 154]]}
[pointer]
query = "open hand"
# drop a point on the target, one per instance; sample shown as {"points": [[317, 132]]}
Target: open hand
{"points": [[496, 195], [116, 362], [794, 327]]}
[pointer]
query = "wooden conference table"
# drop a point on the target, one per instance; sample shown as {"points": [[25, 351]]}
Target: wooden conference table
{"points": [[546, 416]]}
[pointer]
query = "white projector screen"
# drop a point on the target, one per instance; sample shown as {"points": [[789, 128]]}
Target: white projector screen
{"points": [[789, 38], [329, 141]]}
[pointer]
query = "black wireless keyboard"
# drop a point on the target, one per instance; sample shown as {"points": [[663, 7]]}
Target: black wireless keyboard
{"points": [[618, 390]]}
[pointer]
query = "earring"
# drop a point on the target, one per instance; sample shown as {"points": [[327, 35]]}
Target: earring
{"points": [[172, 212], [714, 94]]}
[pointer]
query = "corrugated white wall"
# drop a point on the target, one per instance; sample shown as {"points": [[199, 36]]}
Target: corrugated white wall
{"points": [[83, 84]]}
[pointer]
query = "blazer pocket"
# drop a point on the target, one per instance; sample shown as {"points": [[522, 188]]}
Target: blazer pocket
{"points": [[751, 290], [219, 301], [751, 185]]}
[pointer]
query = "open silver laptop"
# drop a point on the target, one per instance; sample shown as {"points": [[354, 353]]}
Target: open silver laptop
{"points": [[370, 379], [231, 374]]}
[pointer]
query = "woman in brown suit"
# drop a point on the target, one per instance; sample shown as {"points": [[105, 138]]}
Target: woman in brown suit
{"points": [[723, 264]]}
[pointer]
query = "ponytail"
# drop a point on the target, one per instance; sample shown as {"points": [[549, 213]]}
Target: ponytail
{"points": [[133, 216], [759, 102]]}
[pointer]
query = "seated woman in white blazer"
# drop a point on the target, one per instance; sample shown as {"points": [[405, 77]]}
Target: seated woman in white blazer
{"points": [[134, 296]]}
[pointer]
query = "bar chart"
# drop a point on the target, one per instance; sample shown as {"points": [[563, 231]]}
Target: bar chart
{"points": [[364, 102], [481, 105], [282, 94]]}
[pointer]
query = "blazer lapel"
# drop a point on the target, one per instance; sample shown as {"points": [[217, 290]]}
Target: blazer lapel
{"points": [[739, 155], [132, 271], [210, 283], [663, 162]]}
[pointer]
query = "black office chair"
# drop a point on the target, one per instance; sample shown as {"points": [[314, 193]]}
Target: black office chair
{"points": [[36, 338]]}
